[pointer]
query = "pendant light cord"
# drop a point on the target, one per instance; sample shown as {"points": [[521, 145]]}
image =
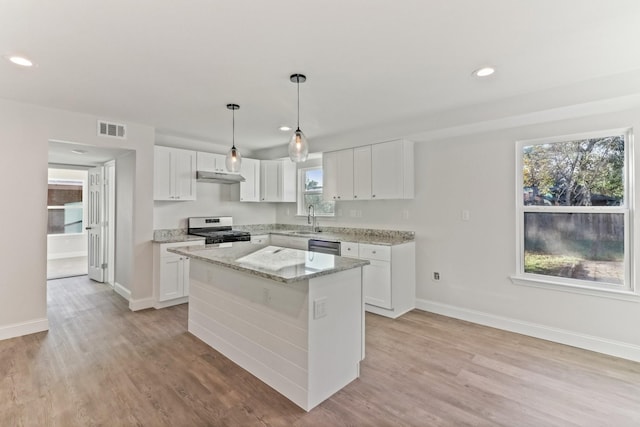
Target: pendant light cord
{"points": [[233, 126], [298, 83]]}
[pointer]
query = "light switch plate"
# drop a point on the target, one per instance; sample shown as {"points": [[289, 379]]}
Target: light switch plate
{"points": [[319, 308]]}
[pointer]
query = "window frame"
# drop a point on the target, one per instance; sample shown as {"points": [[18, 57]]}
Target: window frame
{"points": [[628, 290], [301, 207]]}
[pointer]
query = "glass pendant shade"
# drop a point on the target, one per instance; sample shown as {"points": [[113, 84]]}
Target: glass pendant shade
{"points": [[233, 160], [298, 147], [298, 144]]}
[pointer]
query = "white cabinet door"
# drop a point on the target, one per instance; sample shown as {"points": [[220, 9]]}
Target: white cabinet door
{"points": [[330, 175], [386, 170], [376, 280], [261, 239], [337, 175], [269, 191], [250, 188], [349, 249], [362, 173], [277, 181], [345, 174], [171, 278], [185, 175], [288, 180], [211, 162], [392, 170], [174, 174], [162, 174]]}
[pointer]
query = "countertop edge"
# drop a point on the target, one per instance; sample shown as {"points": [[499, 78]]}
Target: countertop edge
{"points": [[356, 263]]}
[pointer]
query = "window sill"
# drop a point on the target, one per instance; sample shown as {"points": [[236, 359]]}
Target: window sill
{"points": [[544, 283]]}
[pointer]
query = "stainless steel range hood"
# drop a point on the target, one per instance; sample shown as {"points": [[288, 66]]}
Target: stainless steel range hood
{"points": [[219, 177]]}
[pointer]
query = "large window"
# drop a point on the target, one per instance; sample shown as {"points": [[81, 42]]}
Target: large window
{"points": [[573, 211], [310, 193]]}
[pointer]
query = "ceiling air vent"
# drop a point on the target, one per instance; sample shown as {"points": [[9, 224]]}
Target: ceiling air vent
{"points": [[114, 130]]}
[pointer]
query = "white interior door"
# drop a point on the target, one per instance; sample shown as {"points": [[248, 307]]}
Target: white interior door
{"points": [[95, 226]]}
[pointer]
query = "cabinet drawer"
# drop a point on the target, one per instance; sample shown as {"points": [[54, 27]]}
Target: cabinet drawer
{"points": [[260, 239], [349, 249], [165, 246], [377, 252]]}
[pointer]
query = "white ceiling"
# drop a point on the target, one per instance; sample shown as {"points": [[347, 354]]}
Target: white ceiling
{"points": [[370, 63]]}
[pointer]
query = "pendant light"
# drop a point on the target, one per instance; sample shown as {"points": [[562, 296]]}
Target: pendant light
{"points": [[298, 145], [233, 159]]}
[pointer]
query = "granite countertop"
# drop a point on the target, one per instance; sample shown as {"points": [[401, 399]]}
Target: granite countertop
{"points": [[379, 238], [177, 238], [271, 262]]}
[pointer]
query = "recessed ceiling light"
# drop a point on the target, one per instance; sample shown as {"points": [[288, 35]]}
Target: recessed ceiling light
{"points": [[79, 151], [484, 72], [20, 60], [285, 128]]}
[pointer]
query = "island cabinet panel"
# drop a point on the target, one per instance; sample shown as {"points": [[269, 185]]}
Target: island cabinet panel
{"points": [[304, 339]]}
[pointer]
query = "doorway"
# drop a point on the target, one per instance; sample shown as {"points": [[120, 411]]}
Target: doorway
{"points": [[66, 217], [81, 211]]}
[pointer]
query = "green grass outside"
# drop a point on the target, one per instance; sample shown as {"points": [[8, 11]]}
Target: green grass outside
{"points": [[550, 265]]}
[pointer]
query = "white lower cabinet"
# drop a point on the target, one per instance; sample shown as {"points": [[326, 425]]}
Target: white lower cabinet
{"points": [[171, 274], [389, 281], [260, 239], [376, 277]]}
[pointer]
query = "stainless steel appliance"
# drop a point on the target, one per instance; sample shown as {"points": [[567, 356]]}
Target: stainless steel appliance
{"points": [[324, 246], [216, 229]]}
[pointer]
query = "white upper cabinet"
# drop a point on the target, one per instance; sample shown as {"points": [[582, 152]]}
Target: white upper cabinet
{"points": [[250, 188], [337, 175], [210, 162], [362, 173], [378, 171], [392, 170], [277, 181], [174, 174]]}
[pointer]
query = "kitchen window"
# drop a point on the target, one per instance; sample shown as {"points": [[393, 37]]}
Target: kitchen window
{"points": [[310, 193], [573, 212]]}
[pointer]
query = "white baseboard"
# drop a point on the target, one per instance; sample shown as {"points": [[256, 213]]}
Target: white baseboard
{"points": [[66, 255], [562, 336], [122, 291], [141, 304], [24, 328], [165, 304]]}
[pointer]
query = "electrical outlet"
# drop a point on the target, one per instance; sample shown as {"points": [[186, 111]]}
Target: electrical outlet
{"points": [[353, 213], [465, 215], [436, 275], [405, 214], [320, 308]]}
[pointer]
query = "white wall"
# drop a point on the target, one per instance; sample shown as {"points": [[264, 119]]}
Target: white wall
{"points": [[475, 258], [24, 133], [212, 200], [125, 174]]}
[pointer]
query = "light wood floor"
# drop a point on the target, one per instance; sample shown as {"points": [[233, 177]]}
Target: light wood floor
{"points": [[101, 364]]}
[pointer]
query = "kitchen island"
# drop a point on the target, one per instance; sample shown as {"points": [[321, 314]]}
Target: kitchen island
{"points": [[294, 319]]}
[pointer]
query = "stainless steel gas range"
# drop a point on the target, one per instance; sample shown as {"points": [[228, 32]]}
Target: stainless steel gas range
{"points": [[216, 229]]}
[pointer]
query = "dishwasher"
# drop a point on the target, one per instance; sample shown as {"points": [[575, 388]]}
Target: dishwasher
{"points": [[324, 246]]}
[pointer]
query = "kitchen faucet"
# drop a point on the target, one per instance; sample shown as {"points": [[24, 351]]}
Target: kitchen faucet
{"points": [[312, 214]]}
